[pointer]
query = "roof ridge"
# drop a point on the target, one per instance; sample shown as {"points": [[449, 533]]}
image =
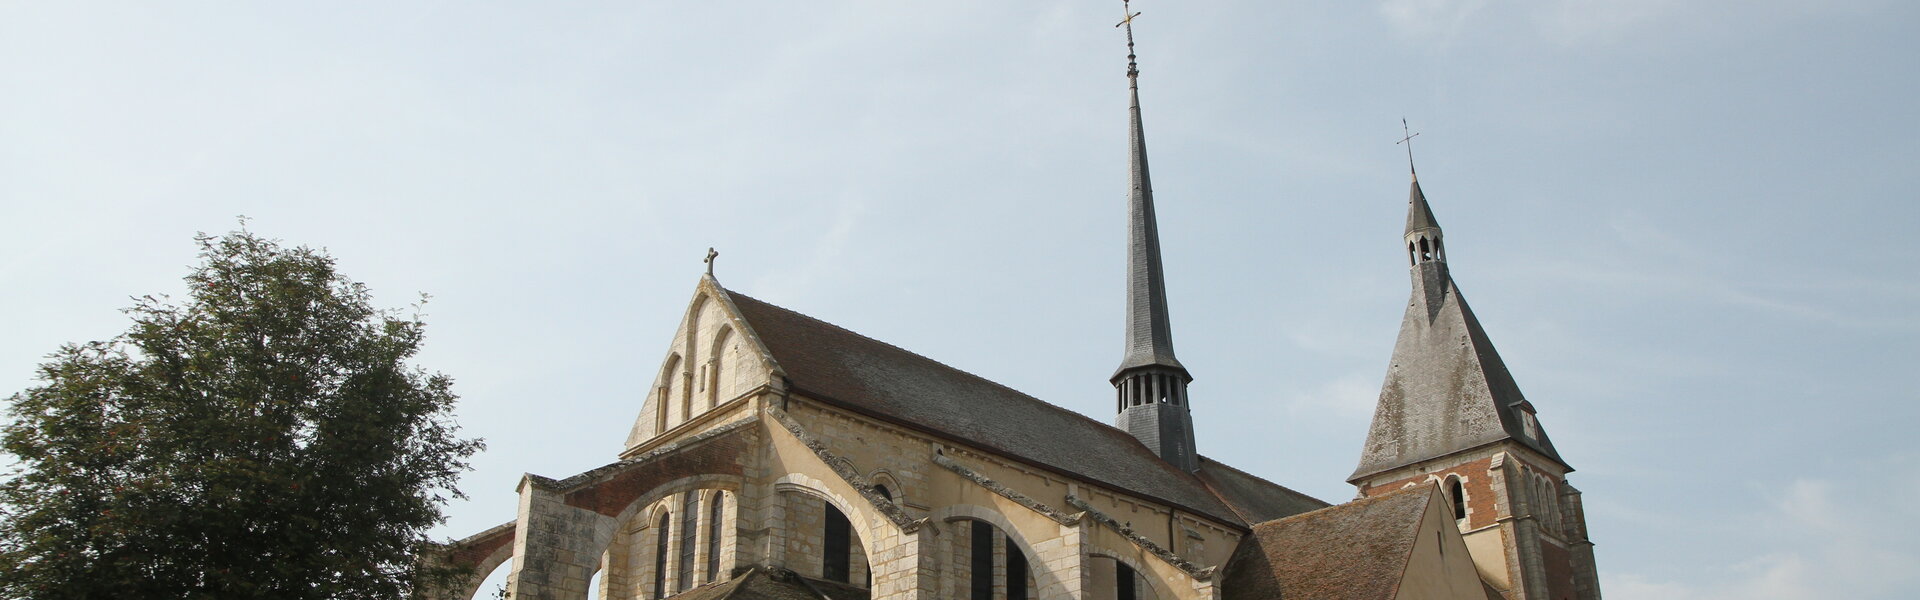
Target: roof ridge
{"points": [[1356, 503], [920, 356], [1264, 480]]}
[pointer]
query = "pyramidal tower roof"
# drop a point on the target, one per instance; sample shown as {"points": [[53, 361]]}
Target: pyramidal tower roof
{"points": [[1447, 389], [1419, 214]]}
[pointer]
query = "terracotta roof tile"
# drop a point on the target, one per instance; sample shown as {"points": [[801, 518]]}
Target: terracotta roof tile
{"points": [[1353, 551]]}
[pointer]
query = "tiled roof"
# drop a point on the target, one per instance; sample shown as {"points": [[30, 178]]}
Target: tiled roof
{"points": [[1256, 500], [858, 373], [1353, 551]]}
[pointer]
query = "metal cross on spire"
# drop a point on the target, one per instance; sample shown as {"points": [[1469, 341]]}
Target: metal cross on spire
{"points": [[1408, 140], [1133, 69]]}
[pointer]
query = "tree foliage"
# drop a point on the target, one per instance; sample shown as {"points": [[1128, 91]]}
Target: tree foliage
{"points": [[265, 438]]}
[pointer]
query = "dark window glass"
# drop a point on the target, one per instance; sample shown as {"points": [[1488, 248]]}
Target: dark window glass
{"points": [[662, 533], [1459, 496], [1016, 572], [713, 536], [982, 561], [838, 546], [883, 491], [1123, 580], [689, 540]]}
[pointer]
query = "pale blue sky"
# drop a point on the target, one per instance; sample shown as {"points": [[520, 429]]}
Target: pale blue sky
{"points": [[1686, 225]]}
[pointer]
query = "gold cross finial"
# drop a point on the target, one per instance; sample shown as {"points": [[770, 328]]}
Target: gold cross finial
{"points": [[1126, 10], [1408, 140], [711, 254]]}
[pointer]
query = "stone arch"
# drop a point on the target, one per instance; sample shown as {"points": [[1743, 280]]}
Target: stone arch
{"points": [[691, 342], [1043, 578], [882, 479], [482, 570], [716, 378], [651, 508], [669, 375], [1159, 589], [866, 521], [1454, 487]]}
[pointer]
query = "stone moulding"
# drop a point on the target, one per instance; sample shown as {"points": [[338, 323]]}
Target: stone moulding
{"points": [[844, 468], [586, 477], [1002, 490], [1194, 570]]}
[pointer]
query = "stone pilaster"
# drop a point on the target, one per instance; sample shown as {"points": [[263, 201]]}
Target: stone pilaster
{"points": [[558, 547]]}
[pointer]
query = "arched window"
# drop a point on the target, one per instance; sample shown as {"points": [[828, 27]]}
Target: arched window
{"points": [[982, 567], [663, 532], [1016, 578], [1458, 494], [1123, 581], [689, 530], [717, 379], [665, 393], [714, 517], [836, 545], [883, 491]]}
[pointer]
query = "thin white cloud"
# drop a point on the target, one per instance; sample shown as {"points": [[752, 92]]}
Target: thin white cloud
{"points": [[1825, 543], [1437, 19], [1574, 22], [1349, 397]]}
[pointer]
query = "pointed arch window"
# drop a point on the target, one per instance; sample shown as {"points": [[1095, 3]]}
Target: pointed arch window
{"points": [[1016, 572], [668, 376], [689, 542], [715, 505], [982, 567], [718, 361], [662, 533]]}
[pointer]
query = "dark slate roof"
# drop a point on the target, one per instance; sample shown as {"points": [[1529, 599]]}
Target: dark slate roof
{"points": [[1254, 499], [1353, 551], [1149, 336], [858, 373], [1447, 389], [1419, 214]]}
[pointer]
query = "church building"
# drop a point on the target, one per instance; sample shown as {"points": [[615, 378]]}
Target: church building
{"points": [[777, 456]]}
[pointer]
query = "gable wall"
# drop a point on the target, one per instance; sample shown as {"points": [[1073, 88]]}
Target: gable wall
{"points": [[708, 362], [1439, 567]]}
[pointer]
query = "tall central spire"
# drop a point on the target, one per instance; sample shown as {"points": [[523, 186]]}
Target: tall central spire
{"points": [[1151, 383]]}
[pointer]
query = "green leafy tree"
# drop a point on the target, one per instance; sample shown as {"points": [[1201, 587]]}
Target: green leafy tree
{"points": [[266, 438]]}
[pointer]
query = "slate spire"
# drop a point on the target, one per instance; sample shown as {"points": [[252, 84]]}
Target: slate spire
{"points": [[1151, 383], [1447, 390]]}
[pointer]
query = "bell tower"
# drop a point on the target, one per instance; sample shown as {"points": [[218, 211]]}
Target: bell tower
{"points": [[1151, 384], [1450, 413]]}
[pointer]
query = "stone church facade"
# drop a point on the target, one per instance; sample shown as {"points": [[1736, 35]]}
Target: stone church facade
{"points": [[779, 456]]}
